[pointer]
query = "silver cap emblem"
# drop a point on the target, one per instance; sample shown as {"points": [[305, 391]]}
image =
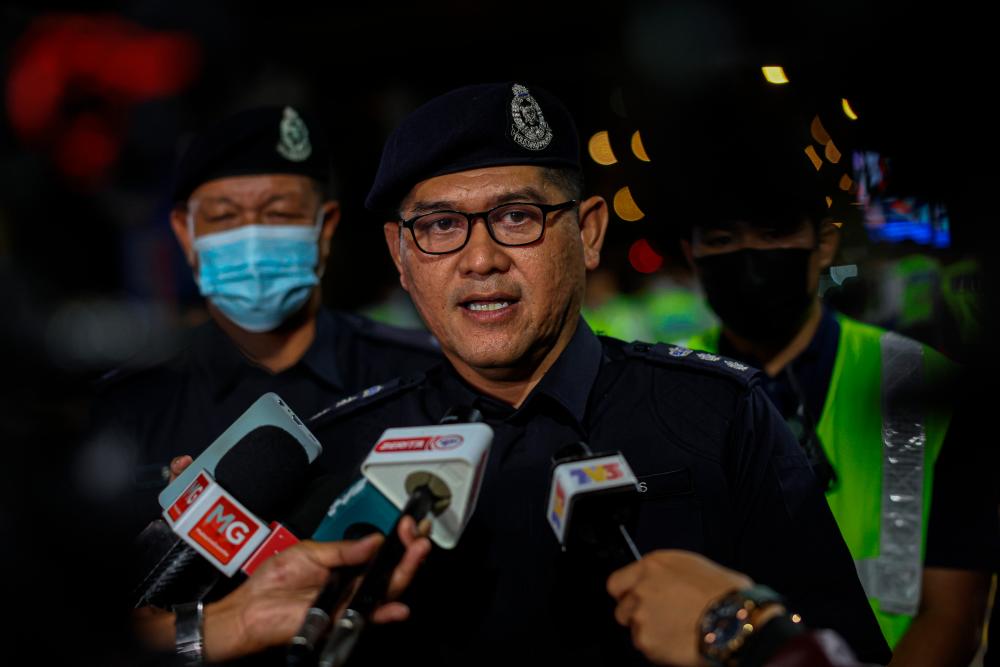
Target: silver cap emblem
{"points": [[530, 129], [294, 143]]}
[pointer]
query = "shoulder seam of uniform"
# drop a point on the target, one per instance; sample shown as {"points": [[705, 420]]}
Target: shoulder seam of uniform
{"points": [[365, 398], [686, 359]]}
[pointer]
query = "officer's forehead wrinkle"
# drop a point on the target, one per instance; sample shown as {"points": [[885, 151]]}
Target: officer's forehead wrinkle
{"points": [[263, 199], [528, 194]]}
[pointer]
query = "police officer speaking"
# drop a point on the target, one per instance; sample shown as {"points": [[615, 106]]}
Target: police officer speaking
{"points": [[492, 236]]}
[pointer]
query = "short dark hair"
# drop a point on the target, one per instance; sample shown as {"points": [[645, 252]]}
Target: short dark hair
{"points": [[780, 223], [567, 179]]}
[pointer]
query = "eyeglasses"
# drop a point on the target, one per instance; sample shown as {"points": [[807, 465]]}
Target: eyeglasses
{"points": [[511, 225]]}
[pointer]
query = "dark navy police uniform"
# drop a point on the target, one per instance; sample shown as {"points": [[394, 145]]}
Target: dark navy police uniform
{"points": [[722, 474], [181, 406]]}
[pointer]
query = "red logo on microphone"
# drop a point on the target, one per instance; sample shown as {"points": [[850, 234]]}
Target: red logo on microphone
{"points": [[403, 445], [223, 530], [186, 499], [418, 444]]}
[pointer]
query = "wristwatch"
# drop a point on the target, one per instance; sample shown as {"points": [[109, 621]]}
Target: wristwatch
{"points": [[729, 621], [188, 627]]}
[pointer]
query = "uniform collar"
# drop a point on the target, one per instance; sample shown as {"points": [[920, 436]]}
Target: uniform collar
{"points": [[571, 378], [567, 383], [227, 366], [321, 356]]}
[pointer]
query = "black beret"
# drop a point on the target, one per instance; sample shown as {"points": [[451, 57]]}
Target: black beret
{"points": [[476, 126], [264, 140]]}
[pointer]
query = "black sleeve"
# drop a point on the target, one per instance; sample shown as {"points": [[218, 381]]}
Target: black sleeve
{"points": [[788, 538], [963, 530]]}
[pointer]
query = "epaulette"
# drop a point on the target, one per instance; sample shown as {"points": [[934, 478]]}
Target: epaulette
{"points": [[112, 377], [109, 381], [379, 331], [692, 360], [371, 396]]}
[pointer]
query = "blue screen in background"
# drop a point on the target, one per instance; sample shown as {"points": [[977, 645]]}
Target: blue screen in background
{"points": [[893, 219]]}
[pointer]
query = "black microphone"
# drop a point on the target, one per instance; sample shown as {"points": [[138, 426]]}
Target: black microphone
{"points": [[374, 585], [263, 470], [593, 502]]}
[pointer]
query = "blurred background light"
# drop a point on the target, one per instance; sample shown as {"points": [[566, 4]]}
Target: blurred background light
{"points": [[637, 148], [643, 258], [625, 206], [774, 74], [599, 148]]}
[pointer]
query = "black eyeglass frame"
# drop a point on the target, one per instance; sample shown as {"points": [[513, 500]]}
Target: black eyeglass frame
{"points": [[472, 217]]}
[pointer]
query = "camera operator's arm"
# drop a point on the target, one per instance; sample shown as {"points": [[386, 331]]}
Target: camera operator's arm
{"points": [[268, 608]]}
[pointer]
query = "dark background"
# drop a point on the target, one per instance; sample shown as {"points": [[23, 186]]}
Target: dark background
{"points": [[99, 98]]}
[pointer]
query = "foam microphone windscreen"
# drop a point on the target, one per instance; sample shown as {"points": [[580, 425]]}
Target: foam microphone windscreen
{"points": [[264, 470]]}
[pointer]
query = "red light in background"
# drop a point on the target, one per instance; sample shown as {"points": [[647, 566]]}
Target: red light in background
{"points": [[109, 62], [643, 258], [88, 148]]}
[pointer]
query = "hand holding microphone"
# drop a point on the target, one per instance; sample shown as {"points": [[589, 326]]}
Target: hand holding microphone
{"points": [[214, 505], [661, 597], [268, 607], [429, 473]]}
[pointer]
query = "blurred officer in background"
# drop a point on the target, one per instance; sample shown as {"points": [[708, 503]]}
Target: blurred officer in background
{"points": [[255, 223], [870, 407]]}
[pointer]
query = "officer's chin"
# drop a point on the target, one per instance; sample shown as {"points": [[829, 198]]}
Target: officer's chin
{"points": [[302, 315]]}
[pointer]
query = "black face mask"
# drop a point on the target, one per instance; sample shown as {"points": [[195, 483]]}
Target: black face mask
{"points": [[761, 295]]}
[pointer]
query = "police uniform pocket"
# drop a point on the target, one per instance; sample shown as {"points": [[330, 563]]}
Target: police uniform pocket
{"points": [[670, 514], [666, 484]]}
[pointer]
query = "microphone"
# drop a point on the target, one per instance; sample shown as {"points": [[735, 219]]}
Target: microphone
{"points": [[268, 410], [215, 520], [157, 539], [593, 501], [423, 471], [454, 452], [374, 585]]}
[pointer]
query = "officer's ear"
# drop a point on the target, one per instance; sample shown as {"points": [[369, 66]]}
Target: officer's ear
{"points": [[393, 239], [331, 218], [179, 225], [829, 243], [593, 227]]}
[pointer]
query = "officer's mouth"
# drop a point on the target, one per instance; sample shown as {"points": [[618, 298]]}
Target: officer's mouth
{"points": [[489, 307]]}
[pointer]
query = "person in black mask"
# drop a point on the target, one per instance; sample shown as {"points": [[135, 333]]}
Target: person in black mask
{"points": [[862, 402]]}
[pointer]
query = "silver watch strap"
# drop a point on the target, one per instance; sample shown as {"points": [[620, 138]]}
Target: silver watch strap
{"points": [[188, 627]]}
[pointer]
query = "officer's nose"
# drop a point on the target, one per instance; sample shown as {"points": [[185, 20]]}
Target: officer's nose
{"points": [[482, 255]]}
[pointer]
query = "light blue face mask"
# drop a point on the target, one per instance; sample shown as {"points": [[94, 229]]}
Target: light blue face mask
{"points": [[259, 275]]}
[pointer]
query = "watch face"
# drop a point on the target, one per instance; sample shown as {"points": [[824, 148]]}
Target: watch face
{"points": [[724, 623]]}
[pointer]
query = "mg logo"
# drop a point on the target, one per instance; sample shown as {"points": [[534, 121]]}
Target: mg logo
{"points": [[234, 531], [223, 530]]}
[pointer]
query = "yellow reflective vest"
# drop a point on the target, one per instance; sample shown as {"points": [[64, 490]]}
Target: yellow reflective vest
{"points": [[883, 443]]}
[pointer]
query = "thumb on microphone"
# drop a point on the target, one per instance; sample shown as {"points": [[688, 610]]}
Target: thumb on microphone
{"points": [[178, 465]]}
